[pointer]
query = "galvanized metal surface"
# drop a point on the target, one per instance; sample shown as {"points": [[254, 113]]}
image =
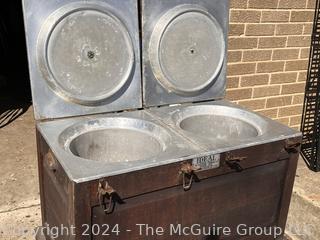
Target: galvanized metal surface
{"points": [[94, 147], [187, 50], [84, 56], [105, 42], [97, 146], [221, 124], [88, 56], [184, 50]]}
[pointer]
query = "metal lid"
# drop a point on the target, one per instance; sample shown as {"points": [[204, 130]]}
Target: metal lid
{"points": [[87, 57], [187, 50], [184, 50]]}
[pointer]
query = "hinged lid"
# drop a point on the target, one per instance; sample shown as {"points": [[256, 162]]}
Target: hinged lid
{"points": [[184, 50], [83, 56]]}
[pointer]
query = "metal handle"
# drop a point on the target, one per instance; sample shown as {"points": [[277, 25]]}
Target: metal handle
{"points": [[187, 171], [106, 191], [187, 186]]}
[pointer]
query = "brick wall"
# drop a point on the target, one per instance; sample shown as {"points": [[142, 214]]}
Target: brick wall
{"points": [[268, 56]]}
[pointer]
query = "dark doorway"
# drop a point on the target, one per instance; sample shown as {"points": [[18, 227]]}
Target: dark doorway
{"points": [[15, 94]]}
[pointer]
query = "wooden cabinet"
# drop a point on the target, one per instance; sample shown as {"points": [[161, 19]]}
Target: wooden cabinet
{"points": [[255, 195]]}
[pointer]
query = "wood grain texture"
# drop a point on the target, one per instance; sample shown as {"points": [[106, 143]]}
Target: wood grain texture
{"points": [[258, 196]]}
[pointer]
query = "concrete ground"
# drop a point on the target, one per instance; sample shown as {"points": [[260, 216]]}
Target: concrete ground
{"points": [[19, 193], [304, 214]]}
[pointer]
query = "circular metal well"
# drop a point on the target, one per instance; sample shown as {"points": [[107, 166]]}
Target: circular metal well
{"points": [[115, 140], [85, 53], [219, 122], [187, 50]]}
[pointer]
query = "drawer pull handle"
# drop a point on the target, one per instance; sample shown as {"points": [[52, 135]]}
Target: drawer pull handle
{"points": [[106, 191], [187, 171]]}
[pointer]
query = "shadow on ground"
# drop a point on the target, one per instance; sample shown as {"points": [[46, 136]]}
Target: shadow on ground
{"points": [[10, 111]]}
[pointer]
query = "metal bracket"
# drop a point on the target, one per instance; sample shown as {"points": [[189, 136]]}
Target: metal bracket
{"points": [[187, 171], [52, 163], [292, 147], [234, 162], [106, 191]]}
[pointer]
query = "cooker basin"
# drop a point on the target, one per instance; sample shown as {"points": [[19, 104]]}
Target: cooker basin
{"points": [[115, 140], [219, 122]]}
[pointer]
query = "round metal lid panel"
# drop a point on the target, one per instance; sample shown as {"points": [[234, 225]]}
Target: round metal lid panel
{"points": [[188, 53], [89, 56]]}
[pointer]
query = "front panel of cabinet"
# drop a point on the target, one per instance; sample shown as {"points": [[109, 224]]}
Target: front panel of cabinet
{"points": [[251, 197]]}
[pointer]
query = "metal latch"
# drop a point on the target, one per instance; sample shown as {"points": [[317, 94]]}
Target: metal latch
{"points": [[106, 191], [234, 162], [52, 163], [187, 171], [292, 147]]}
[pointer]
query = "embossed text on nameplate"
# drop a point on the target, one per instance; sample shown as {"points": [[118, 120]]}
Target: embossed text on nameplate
{"points": [[207, 162]]}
